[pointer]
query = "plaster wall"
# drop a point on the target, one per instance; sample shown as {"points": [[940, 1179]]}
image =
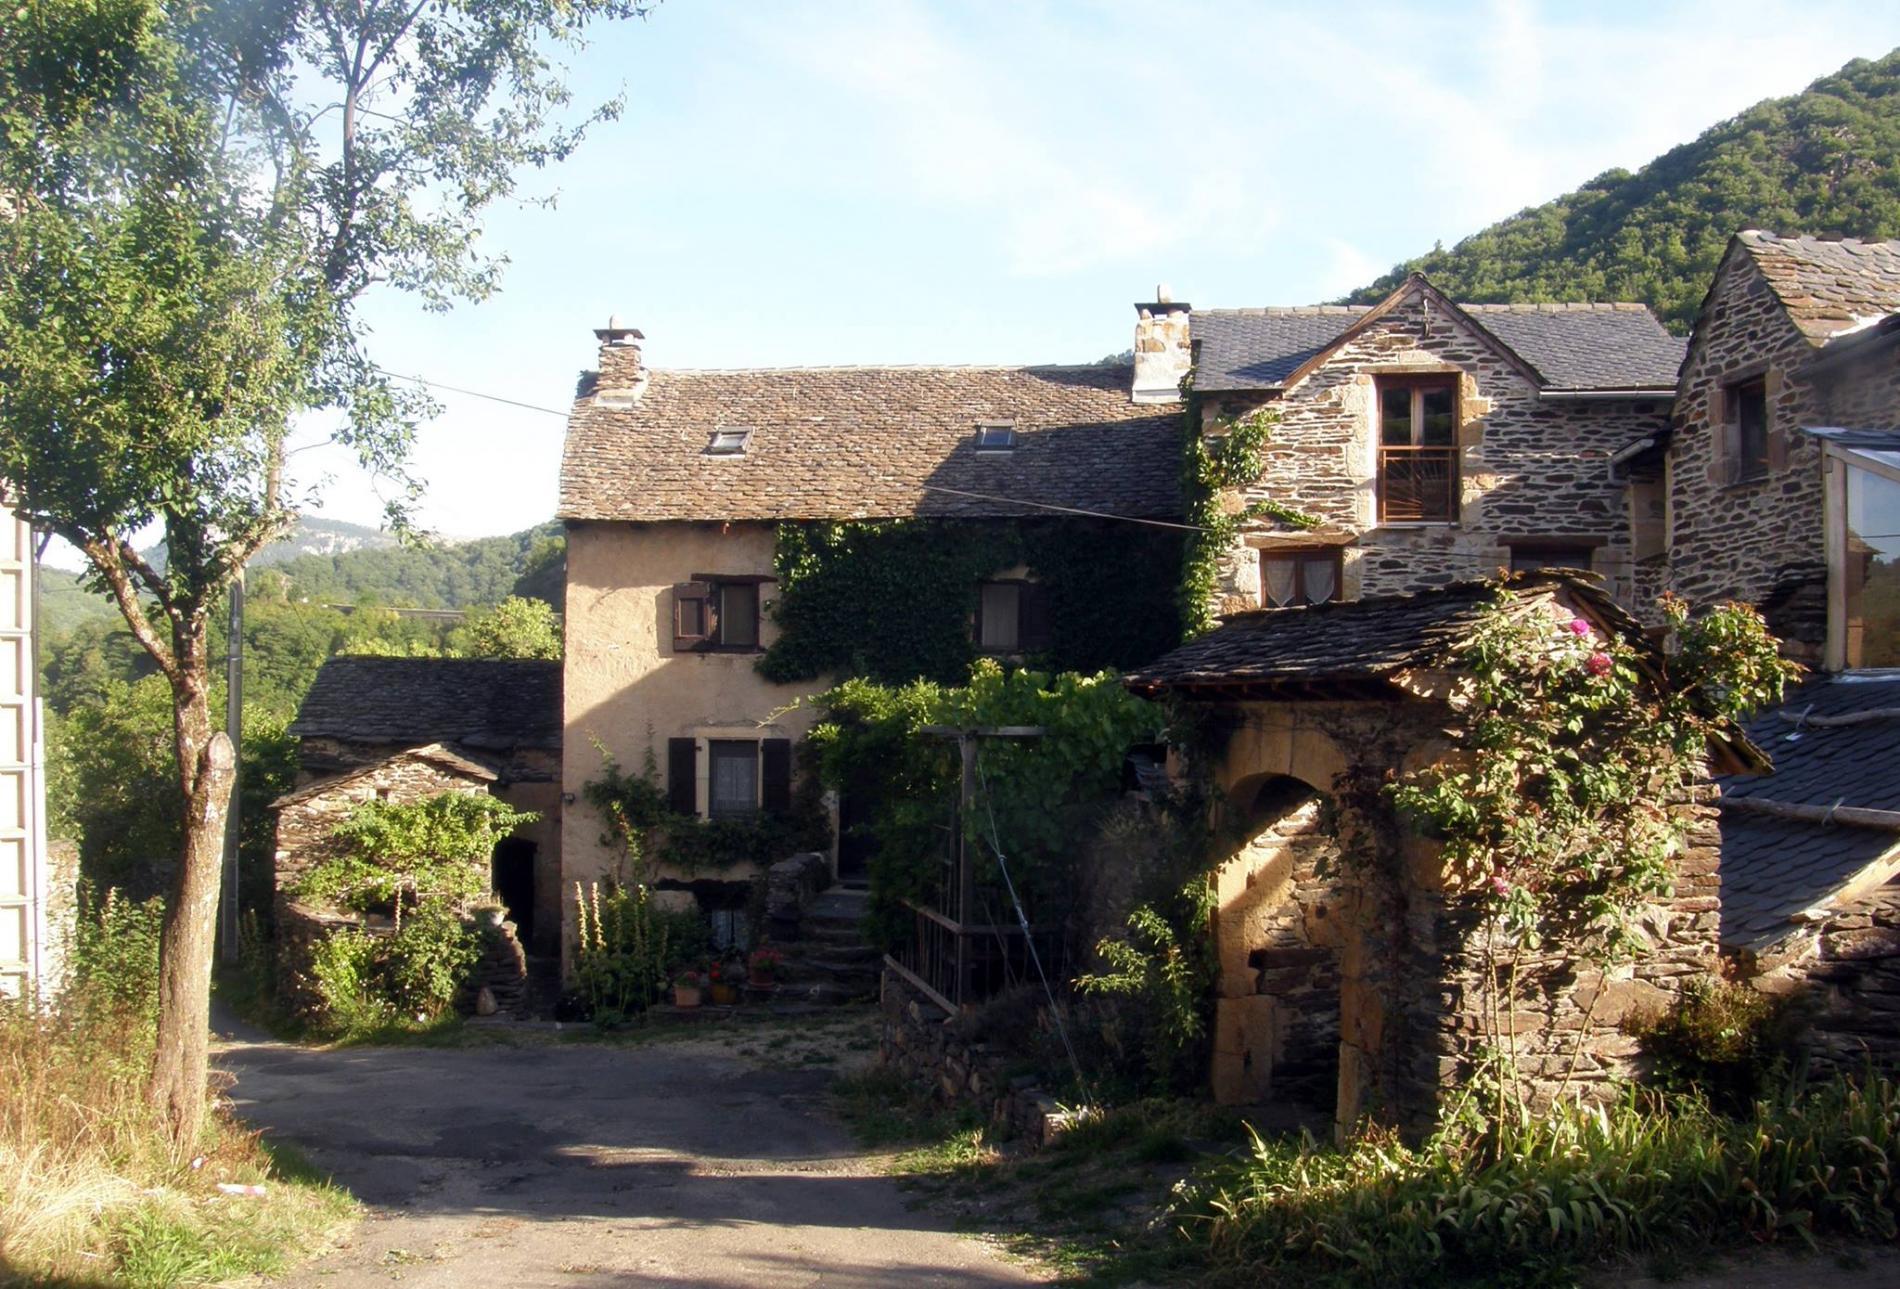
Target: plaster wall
{"points": [[625, 689], [1527, 468]]}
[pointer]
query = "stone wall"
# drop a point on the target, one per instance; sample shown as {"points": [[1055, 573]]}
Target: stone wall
{"points": [[1335, 924], [1761, 539], [1842, 977], [1528, 468], [920, 1040], [305, 822], [1865, 394]]}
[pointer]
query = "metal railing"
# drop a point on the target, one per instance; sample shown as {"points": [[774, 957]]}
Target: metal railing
{"points": [[958, 965], [1418, 485]]}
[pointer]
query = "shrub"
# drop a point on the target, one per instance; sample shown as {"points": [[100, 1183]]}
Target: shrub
{"points": [[1723, 1040], [343, 967], [115, 957], [368, 983], [414, 852], [627, 951]]}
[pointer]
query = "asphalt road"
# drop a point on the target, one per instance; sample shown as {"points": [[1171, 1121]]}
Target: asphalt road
{"points": [[682, 1162]]}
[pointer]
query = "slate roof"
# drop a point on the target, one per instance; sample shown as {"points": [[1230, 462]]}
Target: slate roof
{"points": [[1828, 287], [433, 753], [1775, 868], [870, 442], [1348, 642], [474, 702], [1571, 346]]}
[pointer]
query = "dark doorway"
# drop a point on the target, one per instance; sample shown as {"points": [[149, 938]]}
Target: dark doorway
{"points": [[514, 883], [855, 843]]}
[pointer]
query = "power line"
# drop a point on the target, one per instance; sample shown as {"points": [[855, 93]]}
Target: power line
{"points": [[472, 393]]}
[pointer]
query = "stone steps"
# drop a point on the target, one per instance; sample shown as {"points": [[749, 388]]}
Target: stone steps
{"points": [[828, 961]]}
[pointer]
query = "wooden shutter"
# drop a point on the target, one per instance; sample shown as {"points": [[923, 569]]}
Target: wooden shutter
{"points": [[1033, 625], [775, 773], [694, 613], [682, 765]]}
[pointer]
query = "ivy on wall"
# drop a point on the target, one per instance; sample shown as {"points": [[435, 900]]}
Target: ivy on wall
{"points": [[1231, 455], [892, 600], [643, 826]]}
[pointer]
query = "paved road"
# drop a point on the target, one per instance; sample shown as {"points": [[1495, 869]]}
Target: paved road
{"points": [[576, 1165]]}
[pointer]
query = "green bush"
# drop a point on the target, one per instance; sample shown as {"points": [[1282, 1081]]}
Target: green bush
{"points": [[368, 983], [1723, 1040], [627, 951], [115, 957], [1645, 1175]]}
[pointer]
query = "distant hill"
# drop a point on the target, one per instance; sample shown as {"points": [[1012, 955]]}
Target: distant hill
{"points": [[1826, 162], [327, 562]]}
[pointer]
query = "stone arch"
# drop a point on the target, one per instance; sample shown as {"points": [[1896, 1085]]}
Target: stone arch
{"points": [[1279, 941]]}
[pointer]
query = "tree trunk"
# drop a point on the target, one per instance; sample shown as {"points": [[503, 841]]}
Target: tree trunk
{"points": [[207, 770]]}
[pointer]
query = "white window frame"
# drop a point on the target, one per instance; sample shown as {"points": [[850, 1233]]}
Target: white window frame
{"points": [[1837, 460]]}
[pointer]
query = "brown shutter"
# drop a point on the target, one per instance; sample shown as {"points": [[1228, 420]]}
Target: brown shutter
{"points": [[775, 793], [682, 764], [692, 614], [1033, 625]]}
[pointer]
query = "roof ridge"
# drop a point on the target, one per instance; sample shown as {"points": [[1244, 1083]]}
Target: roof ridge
{"points": [[892, 367], [1289, 311], [1560, 306]]}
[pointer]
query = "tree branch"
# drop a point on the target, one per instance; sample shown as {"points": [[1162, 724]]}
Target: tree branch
{"points": [[108, 555]]}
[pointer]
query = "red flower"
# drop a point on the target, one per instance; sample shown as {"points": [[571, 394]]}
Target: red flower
{"points": [[1597, 664]]}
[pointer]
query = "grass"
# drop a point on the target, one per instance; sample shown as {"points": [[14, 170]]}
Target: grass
{"points": [[91, 1192]]}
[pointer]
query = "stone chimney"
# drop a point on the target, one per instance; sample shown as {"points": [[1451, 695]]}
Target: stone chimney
{"points": [[1162, 353], [622, 379]]}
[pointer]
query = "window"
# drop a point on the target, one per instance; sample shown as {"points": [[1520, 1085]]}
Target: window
{"points": [[712, 613], [1747, 430], [728, 443], [995, 436], [1870, 570], [1294, 577], [1012, 616], [733, 790], [1418, 449], [1528, 557]]}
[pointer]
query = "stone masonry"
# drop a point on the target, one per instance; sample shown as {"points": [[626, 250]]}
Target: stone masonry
{"points": [[1528, 468]]}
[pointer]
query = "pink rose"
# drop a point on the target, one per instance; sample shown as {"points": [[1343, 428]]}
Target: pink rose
{"points": [[1597, 664], [1578, 627], [1498, 885]]}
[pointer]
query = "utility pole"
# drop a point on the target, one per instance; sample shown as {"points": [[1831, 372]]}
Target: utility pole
{"points": [[234, 728]]}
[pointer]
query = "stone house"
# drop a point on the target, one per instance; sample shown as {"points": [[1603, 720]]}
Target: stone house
{"points": [[1795, 335], [1350, 982], [402, 729], [674, 485], [35, 904], [1433, 442]]}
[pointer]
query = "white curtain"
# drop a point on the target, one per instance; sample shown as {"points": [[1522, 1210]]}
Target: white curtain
{"points": [[1320, 579], [1276, 574]]}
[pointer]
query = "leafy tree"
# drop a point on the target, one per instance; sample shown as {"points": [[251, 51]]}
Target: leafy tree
{"points": [[515, 628], [199, 197]]}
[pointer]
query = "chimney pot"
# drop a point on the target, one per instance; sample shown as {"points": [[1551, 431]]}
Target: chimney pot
{"points": [[1164, 294]]}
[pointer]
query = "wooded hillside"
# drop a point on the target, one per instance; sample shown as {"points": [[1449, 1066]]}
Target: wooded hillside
{"points": [[1825, 162]]}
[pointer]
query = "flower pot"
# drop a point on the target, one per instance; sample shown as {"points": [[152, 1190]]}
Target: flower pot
{"points": [[725, 995], [686, 995]]}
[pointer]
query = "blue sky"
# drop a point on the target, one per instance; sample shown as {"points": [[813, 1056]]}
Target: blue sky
{"points": [[970, 181]]}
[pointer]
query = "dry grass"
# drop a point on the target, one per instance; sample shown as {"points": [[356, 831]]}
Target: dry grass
{"points": [[90, 1191]]}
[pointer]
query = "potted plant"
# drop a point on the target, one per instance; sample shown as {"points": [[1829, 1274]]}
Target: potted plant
{"points": [[763, 969], [686, 989], [726, 978]]}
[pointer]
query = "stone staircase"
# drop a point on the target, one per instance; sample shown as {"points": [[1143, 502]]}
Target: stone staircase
{"points": [[828, 962]]}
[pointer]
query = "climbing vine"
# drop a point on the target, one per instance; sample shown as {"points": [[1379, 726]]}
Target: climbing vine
{"points": [[1232, 456], [645, 829], [414, 853], [892, 600], [1559, 817]]}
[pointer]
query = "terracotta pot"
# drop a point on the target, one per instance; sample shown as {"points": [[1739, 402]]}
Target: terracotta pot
{"points": [[725, 995], [686, 995]]}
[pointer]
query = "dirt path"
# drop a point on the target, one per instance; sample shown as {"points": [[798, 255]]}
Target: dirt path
{"points": [[701, 1160]]}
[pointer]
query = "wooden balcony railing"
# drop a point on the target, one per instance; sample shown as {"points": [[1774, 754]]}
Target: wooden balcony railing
{"points": [[1418, 485], [958, 965]]}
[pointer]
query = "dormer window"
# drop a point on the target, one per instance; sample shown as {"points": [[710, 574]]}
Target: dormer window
{"points": [[995, 436], [728, 443]]}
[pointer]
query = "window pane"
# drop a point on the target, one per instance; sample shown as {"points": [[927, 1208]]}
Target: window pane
{"points": [[1395, 417], [1320, 576], [1276, 581], [1438, 428], [1872, 572], [735, 779], [1751, 418], [739, 614], [1001, 602]]}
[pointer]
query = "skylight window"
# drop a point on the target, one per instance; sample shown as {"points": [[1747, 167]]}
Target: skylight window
{"points": [[728, 443], [995, 436]]}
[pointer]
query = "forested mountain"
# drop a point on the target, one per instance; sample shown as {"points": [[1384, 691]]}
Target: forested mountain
{"points": [[1825, 162]]}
